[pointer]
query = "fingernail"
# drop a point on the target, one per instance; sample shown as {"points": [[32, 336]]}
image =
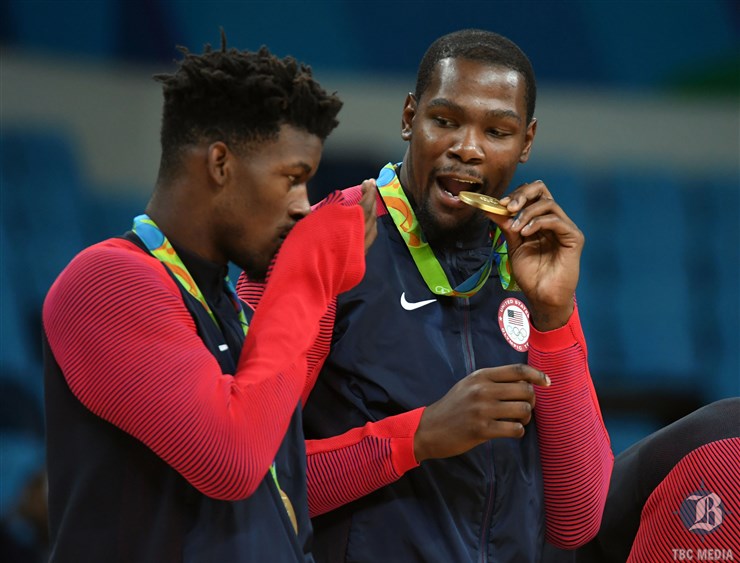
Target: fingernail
{"points": [[547, 378]]}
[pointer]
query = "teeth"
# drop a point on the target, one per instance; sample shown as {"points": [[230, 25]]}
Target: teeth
{"points": [[453, 196], [467, 181]]}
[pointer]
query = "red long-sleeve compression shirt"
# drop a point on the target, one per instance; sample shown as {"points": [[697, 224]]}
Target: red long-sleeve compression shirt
{"points": [[129, 351]]}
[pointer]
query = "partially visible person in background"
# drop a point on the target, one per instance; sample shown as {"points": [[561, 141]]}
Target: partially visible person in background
{"points": [[675, 495], [172, 433], [455, 418]]}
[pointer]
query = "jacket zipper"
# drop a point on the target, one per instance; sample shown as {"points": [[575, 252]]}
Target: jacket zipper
{"points": [[470, 366]]}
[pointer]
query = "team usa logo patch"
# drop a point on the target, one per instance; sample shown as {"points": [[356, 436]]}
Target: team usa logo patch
{"points": [[513, 319]]}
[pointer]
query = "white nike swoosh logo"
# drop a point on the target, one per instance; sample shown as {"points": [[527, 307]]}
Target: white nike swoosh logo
{"points": [[411, 306]]}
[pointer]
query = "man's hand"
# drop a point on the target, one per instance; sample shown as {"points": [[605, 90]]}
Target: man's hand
{"points": [[488, 403], [368, 204], [545, 251]]}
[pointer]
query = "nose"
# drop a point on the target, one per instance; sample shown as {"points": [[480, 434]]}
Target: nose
{"points": [[299, 206], [467, 147]]}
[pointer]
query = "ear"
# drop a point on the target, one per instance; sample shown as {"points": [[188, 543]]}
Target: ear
{"points": [[528, 140], [219, 161], [407, 117]]}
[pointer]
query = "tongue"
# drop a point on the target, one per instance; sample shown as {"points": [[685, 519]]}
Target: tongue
{"points": [[453, 186]]}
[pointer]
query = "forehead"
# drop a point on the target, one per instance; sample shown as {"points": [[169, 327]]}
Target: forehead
{"points": [[291, 143], [476, 82]]}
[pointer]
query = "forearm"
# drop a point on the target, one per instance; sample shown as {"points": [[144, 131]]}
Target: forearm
{"points": [[251, 293], [349, 466], [574, 445]]}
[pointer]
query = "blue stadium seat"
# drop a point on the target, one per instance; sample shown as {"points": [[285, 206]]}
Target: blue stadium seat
{"points": [[651, 238], [15, 353], [589, 203], [712, 215], [43, 215], [46, 208]]}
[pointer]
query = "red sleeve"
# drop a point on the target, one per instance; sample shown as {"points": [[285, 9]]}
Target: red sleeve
{"points": [[349, 466], [130, 353], [574, 446], [251, 293]]}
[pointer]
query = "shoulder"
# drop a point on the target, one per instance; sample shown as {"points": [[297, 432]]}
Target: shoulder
{"points": [[117, 257], [111, 265], [349, 196]]}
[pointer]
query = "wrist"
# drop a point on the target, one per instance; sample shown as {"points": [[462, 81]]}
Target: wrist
{"points": [[421, 446], [546, 318]]}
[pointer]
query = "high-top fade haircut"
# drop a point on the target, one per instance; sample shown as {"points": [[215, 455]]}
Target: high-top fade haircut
{"points": [[478, 45], [238, 97]]}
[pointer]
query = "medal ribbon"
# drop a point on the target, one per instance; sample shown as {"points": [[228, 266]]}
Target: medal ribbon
{"points": [[399, 208], [161, 248]]}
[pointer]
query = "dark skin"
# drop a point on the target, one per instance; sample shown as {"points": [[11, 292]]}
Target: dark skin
{"points": [[469, 131], [238, 205]]}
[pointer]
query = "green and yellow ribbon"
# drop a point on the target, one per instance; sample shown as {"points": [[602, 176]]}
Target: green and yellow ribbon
{"points": [[431, 271]]}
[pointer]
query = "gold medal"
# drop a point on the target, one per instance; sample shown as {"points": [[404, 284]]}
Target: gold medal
{"points": [[484, 202], [289, 509]]}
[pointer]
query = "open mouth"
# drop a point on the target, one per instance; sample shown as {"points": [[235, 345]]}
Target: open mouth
{"points": [[452, 185]]}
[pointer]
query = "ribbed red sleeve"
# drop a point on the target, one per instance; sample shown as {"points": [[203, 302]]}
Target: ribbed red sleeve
{"points": [[694, 513], [574, 446], [349, 466], [251, 293], [129, 351]]}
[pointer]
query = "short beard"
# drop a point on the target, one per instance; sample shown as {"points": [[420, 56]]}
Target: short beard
{"points": [[259, 273], [256, 274], [447, 237]]}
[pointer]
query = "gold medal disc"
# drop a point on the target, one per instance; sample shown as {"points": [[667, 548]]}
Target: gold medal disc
{"points": [[484, 202], [289, 509]]}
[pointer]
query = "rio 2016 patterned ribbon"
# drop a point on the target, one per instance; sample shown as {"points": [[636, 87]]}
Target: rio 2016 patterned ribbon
{"points": [[162, 249], [408, 226]]}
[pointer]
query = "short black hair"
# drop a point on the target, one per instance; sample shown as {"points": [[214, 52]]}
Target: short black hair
{"points": [[239, 97], [478, 45]]}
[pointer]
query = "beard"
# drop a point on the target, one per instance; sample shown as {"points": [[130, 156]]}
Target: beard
{"points": [[446, 236], [258, 269], [255, 273]]}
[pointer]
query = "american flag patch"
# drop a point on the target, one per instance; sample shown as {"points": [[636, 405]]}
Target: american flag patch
{"points": [[515, 317]]}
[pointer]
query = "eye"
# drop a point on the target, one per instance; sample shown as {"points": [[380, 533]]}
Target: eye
{"points": [[297, 179], [498, 133], [442, 122]]}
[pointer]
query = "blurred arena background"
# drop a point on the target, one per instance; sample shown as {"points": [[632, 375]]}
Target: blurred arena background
{"points": [[639, 129]]}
